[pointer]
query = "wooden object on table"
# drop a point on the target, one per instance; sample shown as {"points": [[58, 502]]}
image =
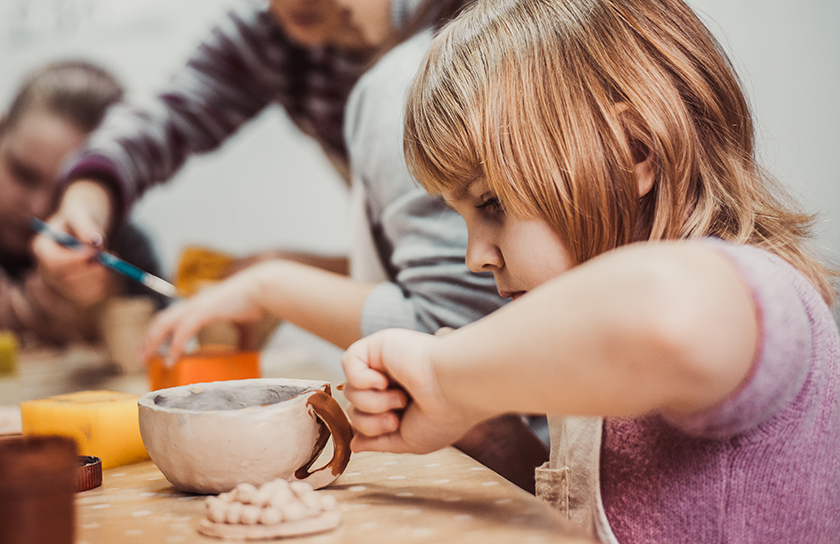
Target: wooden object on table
{"points": [[103, 423], [384, 498], [124, 322], [10, 420], [207, 364], [37, 483]]}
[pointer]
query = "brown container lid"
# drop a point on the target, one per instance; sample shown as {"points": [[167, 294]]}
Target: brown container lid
{"points": [[89, 473]]}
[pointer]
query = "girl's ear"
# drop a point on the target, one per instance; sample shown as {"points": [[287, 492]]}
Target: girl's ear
{"points": [[645, 173], [637, 137]]}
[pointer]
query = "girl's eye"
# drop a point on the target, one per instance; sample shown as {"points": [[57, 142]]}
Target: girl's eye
{"points": [[492, 204]]}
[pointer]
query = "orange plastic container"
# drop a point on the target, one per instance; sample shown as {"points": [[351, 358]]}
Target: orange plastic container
{"points": [[207, 364]]}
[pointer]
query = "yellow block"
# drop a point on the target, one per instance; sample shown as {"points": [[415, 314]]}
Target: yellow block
{"points": [[199, 267], [103, 423], [8, 353]]}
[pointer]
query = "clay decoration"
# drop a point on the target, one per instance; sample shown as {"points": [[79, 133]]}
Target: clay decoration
{"points": [[276, 509]]}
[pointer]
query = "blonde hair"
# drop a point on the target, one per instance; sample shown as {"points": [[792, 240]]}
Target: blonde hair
{"points": [[553, 102]]}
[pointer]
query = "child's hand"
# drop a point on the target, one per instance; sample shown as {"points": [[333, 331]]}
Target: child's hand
{"points": [[74, 276], [235, 299], [84, 212], [396, 402]]}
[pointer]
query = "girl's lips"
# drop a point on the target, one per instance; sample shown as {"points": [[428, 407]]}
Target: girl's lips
{"points": [[511, 295]]}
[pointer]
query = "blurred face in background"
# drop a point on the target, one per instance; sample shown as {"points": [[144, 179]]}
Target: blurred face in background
{"points": [[31, 153], [346, 24]]}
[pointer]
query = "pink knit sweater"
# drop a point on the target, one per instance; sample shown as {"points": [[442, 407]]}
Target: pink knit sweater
{"points": [[764, 466]]}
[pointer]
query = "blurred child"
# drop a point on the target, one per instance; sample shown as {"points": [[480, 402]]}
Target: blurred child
{"points": [[55, 109], [666, 310]]}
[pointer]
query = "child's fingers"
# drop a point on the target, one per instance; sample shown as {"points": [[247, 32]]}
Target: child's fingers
{"points": [[374, 401], [161, 322], [373, 424], [155, 336], [170, 324], [182, 332], [56, 261], [79, 222], [359, 373]]}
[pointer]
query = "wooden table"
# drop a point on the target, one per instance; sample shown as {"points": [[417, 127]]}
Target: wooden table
{"points": [[383, 498]]}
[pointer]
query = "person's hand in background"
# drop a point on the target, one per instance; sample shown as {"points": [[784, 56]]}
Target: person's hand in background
{"points": [[84, 212], [236, 300]]}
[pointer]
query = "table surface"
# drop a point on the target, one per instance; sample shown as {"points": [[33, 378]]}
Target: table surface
{"points": [[440, 497], [385, 498]]}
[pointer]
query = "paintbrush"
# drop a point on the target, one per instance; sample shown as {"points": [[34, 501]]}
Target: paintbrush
{"points": [[106, 259]]}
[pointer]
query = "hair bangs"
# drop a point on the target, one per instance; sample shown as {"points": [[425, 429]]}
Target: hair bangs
{"points": [[443, 131], [547, 155]]}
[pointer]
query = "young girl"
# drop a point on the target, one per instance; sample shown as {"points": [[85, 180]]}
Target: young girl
{"points": [[601, 153]]}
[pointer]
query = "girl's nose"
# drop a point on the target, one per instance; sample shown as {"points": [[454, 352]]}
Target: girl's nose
{"points": [[483, 255]]}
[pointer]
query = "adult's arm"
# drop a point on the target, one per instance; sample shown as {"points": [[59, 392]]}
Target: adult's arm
{"points": [[223, 85], [325, 303]]}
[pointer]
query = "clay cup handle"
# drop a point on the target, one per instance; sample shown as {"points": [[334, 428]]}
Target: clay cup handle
{"points": [[327, 410]]}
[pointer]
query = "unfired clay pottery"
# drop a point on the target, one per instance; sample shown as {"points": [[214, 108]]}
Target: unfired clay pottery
{"points": [[275, 510], [208, 437]]}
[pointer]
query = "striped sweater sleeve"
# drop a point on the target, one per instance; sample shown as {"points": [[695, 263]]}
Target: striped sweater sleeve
{"points": [[231, 77]]}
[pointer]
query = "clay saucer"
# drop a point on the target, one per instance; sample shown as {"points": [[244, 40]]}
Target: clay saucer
{"points": [[319, 524], [276, 509]]}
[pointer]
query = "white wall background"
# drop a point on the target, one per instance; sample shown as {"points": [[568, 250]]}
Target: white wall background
{"points": [[271, 187]]}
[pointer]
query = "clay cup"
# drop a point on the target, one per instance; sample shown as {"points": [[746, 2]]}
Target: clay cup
{"points": [[207, 438]]}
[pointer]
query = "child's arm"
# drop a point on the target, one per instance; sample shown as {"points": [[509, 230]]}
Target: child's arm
{"points": [[652, 327], [322, 302]]}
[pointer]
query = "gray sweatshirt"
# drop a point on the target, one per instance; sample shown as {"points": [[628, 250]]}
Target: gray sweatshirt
{"points": [[421, 243]]}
